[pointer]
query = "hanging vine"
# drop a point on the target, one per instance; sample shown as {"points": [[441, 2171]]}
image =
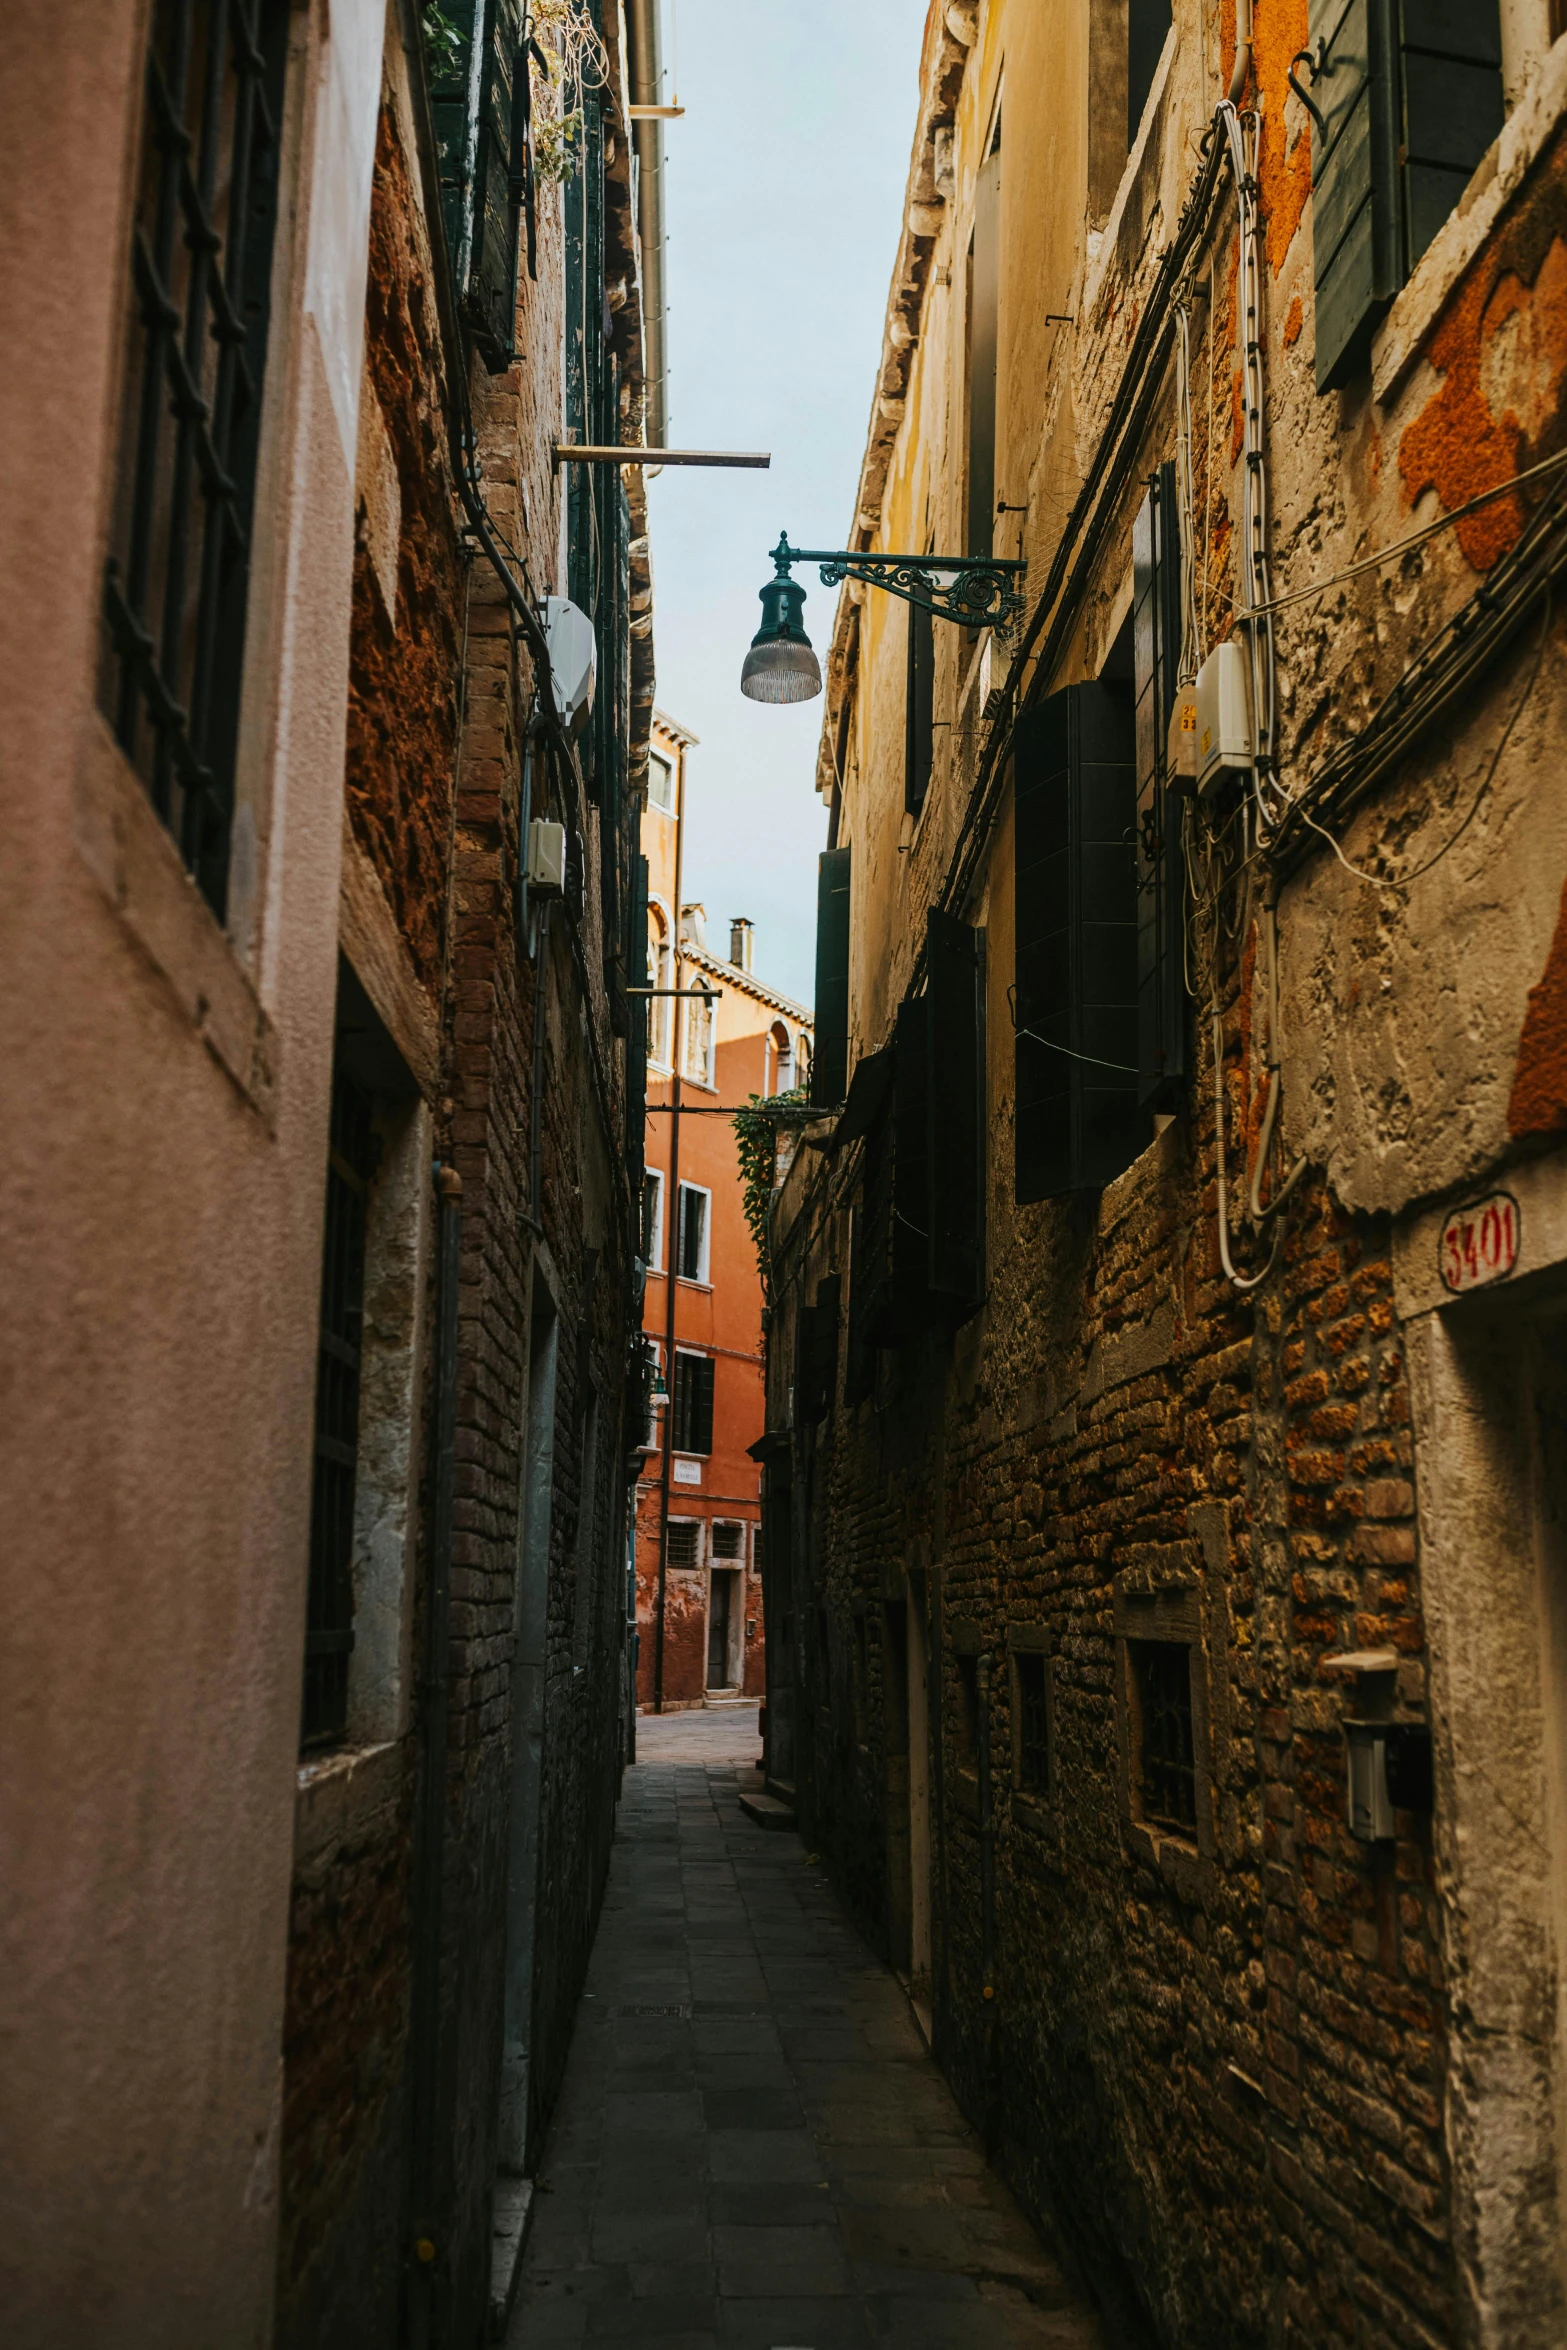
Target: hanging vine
{"points": [[756, 1131], [568, 58]]}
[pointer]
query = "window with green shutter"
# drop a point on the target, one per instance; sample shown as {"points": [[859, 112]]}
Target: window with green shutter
{"points": [[830, 1063], [1407, 96], [481, 102], [955, 1116], [1078, 1124], [1161, 880], [920, 708]]}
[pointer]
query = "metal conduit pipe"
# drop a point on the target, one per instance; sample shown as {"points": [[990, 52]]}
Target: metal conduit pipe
{"points": [[1242, 72], [648, 144]]}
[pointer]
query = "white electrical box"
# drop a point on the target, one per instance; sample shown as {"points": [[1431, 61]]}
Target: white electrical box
{"points": [[573, 654], [1180, 750], [546, 855], [1226, 739]]}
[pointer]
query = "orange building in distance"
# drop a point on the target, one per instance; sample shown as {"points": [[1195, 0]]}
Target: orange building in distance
{"points": [[698, 1574]]}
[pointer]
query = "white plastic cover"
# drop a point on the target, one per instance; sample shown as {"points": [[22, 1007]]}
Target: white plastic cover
{"points": [[573, 660]]}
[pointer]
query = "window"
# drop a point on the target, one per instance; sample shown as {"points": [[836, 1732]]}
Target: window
{"points": [[860, 1692], [830, 1068], [329, 1628], [1031, 1721], [723, 1620], [701, 1035], [1147, 28], [1408, 99], [660, 974], [685, 1542], [1166, 1764], [728, 1538], [780, 1055], [178, 570], [653, 1219], [661, 782], [1078, 1124], [648, 1367], [816, 1352], [692, 1403], [919, 711], [695, 1205], [482, 105], [984, 280]]}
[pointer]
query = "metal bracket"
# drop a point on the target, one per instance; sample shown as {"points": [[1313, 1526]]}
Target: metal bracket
{"points": [[981, 593]]}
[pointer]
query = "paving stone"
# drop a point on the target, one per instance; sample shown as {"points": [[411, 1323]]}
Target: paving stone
{"points": [[782, 2167]]}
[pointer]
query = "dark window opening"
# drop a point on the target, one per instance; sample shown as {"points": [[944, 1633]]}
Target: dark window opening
{"points": [[692, 1403], [329, 1630], [693, 1234], [1167, 1767], [862, 1679], [652, 1189], [1033, 1722], [984, 286], [720, 1615], [728, 1538], [1147, 28], [823, 1652], [176, 583]]}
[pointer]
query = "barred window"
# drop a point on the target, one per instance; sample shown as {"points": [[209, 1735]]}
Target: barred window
{"points": [[684, 1546], [1162, 1674], [179, 555], [728, 1538], [329, 1633]]}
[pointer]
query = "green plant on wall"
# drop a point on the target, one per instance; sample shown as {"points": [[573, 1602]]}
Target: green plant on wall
{"points": [[574, 59], [443, 39], [756, 1130]]}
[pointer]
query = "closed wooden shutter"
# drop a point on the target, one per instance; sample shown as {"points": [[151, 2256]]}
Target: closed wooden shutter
{"points": [[1075, 1000], [955, 1115], [909, 1286], [1161, 879], [919, 713], [830, 1064], [1354, 193], [818, 1370]]}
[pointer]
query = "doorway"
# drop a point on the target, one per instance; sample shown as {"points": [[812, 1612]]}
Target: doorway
{"points": [[917, 1684], [723, 1623]]}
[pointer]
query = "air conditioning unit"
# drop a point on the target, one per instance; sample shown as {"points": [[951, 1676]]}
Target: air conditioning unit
{"points": [[573, 652], [1226, 734], [546, 856]]}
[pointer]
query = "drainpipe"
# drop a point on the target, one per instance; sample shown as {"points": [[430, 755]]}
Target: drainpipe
{"points": [[648, 142], [429, 2265], [1242, 72]]}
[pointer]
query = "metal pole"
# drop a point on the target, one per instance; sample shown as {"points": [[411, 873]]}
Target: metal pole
{"points": [[671, 1245]]}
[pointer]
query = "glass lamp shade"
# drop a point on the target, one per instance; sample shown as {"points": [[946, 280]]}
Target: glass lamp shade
{"points": [[780, 666]]}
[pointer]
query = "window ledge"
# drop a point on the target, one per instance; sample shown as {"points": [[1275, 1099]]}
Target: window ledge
{"points": [[1400, 340], [691, 1281], [136, 865], [340, 1793]]}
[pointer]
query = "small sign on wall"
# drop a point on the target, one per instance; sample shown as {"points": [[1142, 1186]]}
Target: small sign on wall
{"points": [[688, 1472], [1479, 1243]]}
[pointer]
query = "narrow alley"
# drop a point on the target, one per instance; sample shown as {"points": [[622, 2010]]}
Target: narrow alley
{"points": [[752, 2145]]}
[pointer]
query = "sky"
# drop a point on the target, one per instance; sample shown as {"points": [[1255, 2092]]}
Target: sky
{"points": [[784, 188]]}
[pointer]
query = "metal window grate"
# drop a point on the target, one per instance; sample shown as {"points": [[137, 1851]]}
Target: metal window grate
{"points": [[178, 567], [1163, 1673], [728, 1538], [329, 1633], [684, 1541], [1033, 1740]]}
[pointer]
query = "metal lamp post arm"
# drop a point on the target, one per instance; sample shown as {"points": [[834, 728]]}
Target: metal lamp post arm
{"points": [[980, 593]]}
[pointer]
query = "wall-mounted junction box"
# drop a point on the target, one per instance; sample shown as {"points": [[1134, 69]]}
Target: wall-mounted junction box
{"points": [[1226, 737], [546, 855]]}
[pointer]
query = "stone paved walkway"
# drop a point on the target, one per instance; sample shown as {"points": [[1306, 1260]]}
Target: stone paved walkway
{"points": [[753, 2148]]}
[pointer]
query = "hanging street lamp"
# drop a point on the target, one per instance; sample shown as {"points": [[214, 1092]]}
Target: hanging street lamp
{"points": [[973, 591]]}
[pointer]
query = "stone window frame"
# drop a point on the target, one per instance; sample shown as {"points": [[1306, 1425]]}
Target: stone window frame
{"points": [[1178, 1595], [1039, 1814]]}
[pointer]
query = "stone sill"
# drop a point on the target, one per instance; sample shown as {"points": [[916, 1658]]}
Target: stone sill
{"points": [[1400, 340], [337, 1792]]}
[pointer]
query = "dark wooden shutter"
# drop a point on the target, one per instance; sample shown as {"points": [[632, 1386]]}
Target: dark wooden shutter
{"points": [[1161, 879], [909, 1281], [483, 129], [919, 713], [1452, 93], [830, 1061], [637, 1026], [818, 1368], [1075, 1002], [954, 1113], [1354, 193]]}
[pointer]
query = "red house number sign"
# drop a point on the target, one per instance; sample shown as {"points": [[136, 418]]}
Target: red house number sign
{"points": [[1480, 1243]]}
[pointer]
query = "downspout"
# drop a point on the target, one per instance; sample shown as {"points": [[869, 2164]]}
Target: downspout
{"points": [[648, 144], [671, 1245], [1242, 72], [429, 2247]]}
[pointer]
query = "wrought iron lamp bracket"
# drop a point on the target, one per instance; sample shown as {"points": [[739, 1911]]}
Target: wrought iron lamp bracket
{"points": [[977, 594]]}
